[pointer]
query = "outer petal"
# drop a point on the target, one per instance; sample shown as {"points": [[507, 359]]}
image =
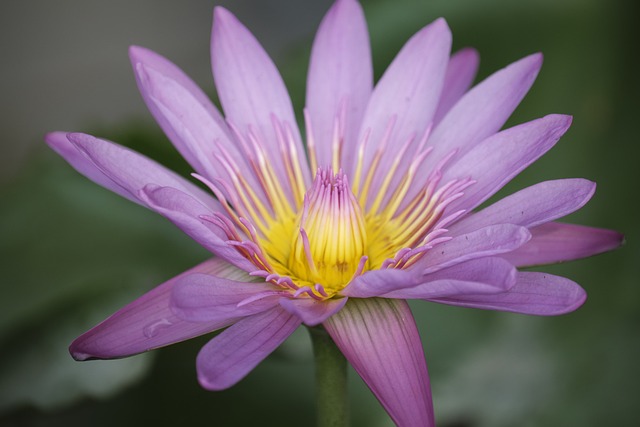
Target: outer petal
{"points": [[534, 293], [532, 206], [59, 142], [497, 159], [340, 71], [207, 298], [479, 276], [484, 109], [230, 356], [250, 88], [557, 242], [461, 71], [409, 91], [148, 322], [380, 339], [186, 213], [487, 241], [184, 112], [312, 312], [132, 171]]}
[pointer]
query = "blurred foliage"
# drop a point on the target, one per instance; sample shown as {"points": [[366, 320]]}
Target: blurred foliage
{"points": [[72, 253]]}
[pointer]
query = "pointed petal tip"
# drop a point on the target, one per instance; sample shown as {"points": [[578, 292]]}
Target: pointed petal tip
{"points": [[55, 138], [222, 16], [206, 384], [78, 356], [137, 53]]}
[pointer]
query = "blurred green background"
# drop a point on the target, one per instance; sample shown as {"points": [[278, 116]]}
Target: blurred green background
{"points": [[71, 253]]}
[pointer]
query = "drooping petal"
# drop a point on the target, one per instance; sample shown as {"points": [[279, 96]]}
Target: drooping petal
{"points": [[557, 242], [59, 142], [532, 206], [230, 356], [478, 276], [250, 88], [461, 71], [487, 241], [207, 298], [380, 339], [483, 110], [149, 322], [534, 293], [310, 311], [377, 282], [408, 93], [187, 116], [497, 159], [186, 213], [132, 171], [340, 71]]}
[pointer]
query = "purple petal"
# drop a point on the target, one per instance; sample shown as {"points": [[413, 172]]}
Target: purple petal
{"points": [[184, 112], [377, 282], [409, 90], [132, 171], [310, 311], [461, 71], [532, 206], [488, 276], [186, 213], [59, 142], [487, 241], [380, 339], [250, 88], [340, 71], [534, 293], [557, 242], [497, 159], [484, 109], [207, 298], [230, 356], [148, 322], [484, 275]]}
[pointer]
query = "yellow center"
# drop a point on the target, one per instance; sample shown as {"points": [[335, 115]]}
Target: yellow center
{"points": [[326, 242], [313, 239]]}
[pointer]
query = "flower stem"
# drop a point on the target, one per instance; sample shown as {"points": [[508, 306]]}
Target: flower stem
{"points": [[332, 404]]}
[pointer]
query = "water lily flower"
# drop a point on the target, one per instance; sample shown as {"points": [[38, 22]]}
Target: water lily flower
{"points": [[380, 206]]}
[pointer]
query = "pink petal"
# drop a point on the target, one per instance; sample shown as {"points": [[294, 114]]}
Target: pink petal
{"points": [[186, 213], [557, 242], [461, 71], [310, 311], [132, 171], [377, 282], [497, 159], [380, 339], [483, 110], [340, 71], [478, 276], [487, 241], [534, 293], [250, 88], [499, 278], [230, 356], [409, 90], [148, 322], [184, 112], [59, 142], [532, 206], [207, 298]]}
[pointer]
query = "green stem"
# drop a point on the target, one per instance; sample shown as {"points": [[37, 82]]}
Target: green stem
{"points": [[332, 404]]}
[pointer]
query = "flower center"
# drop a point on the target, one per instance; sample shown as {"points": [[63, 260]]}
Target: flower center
{"points": [[313, 238], [329, 246]]}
